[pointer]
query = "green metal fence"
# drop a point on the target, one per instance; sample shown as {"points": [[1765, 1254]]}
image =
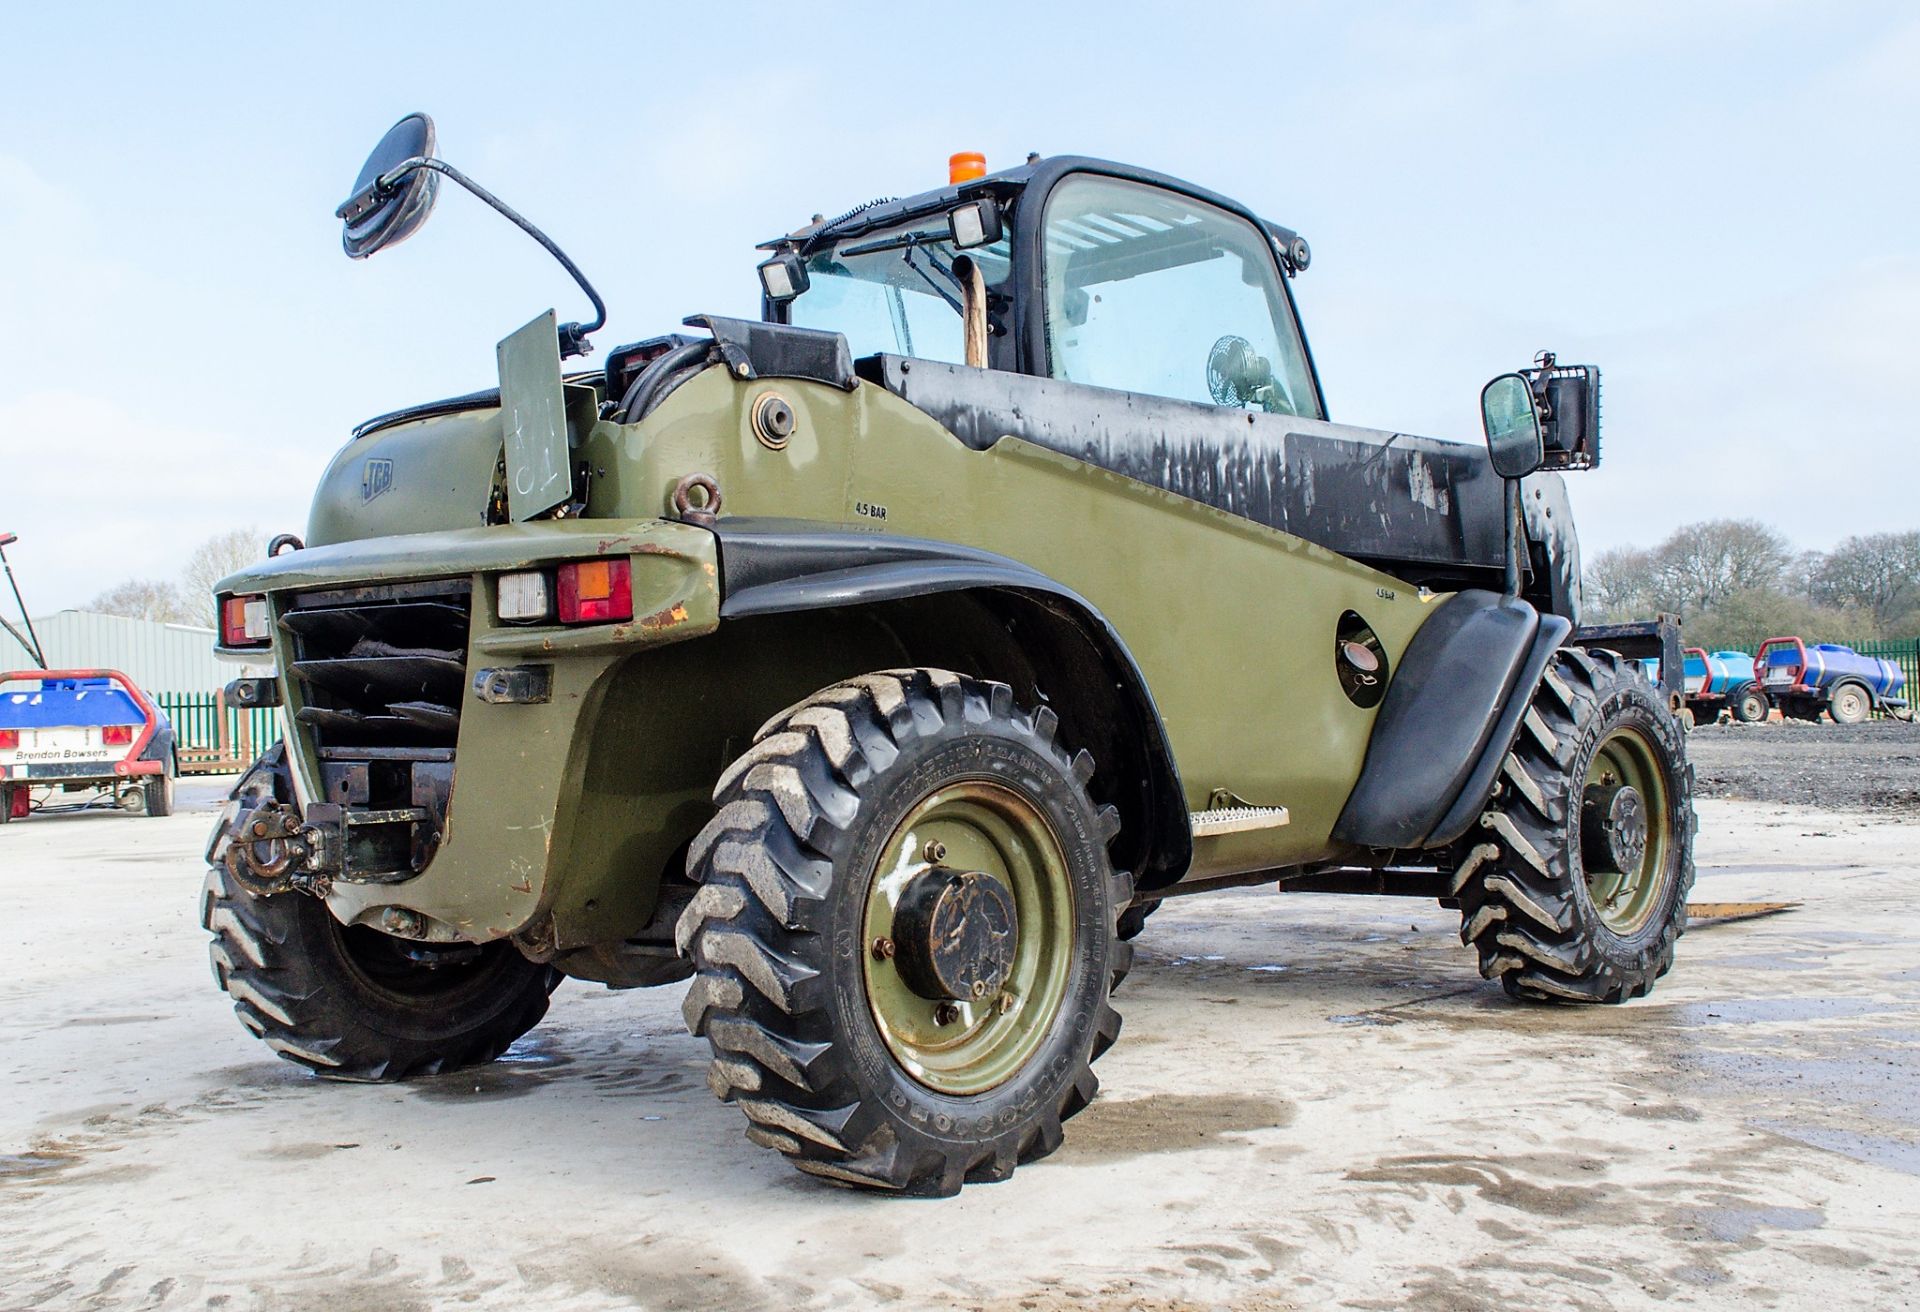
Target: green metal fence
{"points": [[212, 737], [1906, 654]]}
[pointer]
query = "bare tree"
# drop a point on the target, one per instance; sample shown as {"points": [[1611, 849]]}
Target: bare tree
{"points": [[1619, 584], [1745, 619], [213, 560], [1701, 565], [145, 599], [1877, 571]]}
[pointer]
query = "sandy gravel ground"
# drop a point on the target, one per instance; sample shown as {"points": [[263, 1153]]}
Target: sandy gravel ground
{"points": [[1859, 767], [1316, 1103]]}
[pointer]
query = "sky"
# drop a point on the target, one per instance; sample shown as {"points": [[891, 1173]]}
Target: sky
{"points": [[1715, 202]]}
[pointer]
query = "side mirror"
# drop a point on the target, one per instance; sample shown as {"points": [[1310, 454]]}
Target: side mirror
{"points": [[1514, 440], [382, 213]]}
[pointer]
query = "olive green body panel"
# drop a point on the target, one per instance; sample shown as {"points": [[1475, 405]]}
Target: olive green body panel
{"points": [[524, 779], [438, 474], [1232, 623], [565, 816]]}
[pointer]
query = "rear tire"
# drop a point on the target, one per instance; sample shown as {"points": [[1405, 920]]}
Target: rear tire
{"points": [[1850, 703], [808, 960], [1552, 918], [349, 1004], [352, 1003], [1750, 706], [157, 795]]}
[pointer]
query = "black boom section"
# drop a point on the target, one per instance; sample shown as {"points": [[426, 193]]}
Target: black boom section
{"points": [[774, 566], [1385, 498], [1448, 717]]}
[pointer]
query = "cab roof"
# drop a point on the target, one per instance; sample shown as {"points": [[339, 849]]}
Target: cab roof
{"points": [[1004, 185]]}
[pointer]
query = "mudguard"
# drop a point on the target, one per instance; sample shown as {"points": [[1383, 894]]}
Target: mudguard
{"points": [[772, 567], [1448, 718]]}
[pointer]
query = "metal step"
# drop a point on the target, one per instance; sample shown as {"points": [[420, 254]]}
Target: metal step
{"points": [[1236, 820]]}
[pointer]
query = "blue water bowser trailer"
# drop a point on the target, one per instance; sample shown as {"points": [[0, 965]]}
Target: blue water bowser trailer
{"points": [[1805, 680], [93, 732]]}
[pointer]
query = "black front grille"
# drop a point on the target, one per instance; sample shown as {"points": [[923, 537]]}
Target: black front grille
{"points": [[381, 670]]}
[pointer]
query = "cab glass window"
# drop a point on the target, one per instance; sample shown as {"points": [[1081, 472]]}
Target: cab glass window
{"points": [[1149, 291], [894, 291]]}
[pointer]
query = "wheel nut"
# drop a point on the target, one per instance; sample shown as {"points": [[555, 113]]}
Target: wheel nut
{"points": [[945, 1014], [936, 851], [979, 988], [1003, 1004], [882, 949]]}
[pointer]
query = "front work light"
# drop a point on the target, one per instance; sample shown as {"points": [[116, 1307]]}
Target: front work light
{"points": [[977, 223], [783, 277], [596, 591]]}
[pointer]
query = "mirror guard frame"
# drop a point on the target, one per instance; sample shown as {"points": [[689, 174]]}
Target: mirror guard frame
{"points": [[573, 336]]}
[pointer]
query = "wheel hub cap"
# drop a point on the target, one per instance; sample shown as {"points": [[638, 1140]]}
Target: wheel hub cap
{"points": [[1614, 828], [956, 934]]}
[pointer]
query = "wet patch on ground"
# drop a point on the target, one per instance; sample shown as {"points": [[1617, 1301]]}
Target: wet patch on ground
{"points": [[1501, 1181], [1168, 1122], [33, 1165]]}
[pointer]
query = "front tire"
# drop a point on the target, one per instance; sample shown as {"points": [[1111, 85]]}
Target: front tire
{"points": [[858, 1039], [1576, 888]]}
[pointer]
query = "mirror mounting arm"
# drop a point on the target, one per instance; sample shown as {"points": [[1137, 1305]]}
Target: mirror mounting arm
{"points": [[1516, 535], [573, 336]]}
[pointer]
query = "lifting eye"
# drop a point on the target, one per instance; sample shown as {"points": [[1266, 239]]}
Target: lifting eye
{"points": [[1359, 661]]}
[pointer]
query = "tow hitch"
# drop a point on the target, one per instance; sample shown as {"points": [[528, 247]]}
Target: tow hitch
{"points": [[273, 848], [270, 851]]}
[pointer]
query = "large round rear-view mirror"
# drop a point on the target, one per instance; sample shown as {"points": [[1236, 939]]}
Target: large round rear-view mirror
{"points": [[378, 215]]}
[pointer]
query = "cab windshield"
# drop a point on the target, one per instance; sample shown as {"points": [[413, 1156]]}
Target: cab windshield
{"points": [[894, 291]]}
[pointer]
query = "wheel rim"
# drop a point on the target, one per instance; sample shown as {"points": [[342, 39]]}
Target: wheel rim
{"points": [[968, 1046], [1625, 893], [407, 970], [1848, 703]]}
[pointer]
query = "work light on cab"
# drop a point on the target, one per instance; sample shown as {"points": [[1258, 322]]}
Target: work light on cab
{"points": [[243, 621]]}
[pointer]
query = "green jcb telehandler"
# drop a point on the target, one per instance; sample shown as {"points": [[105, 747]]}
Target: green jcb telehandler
{"points": [[882, 663]]}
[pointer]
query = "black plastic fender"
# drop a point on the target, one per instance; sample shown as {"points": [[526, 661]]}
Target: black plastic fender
{"points": [[770, 566], [1448, 718]]}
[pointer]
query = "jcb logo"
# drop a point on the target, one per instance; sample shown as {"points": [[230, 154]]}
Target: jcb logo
{"points": [[376, 476]]}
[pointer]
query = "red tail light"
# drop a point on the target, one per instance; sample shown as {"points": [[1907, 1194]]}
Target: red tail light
{"points": [[9, 738], [595, 591], [243, 621], [116, 735]]}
